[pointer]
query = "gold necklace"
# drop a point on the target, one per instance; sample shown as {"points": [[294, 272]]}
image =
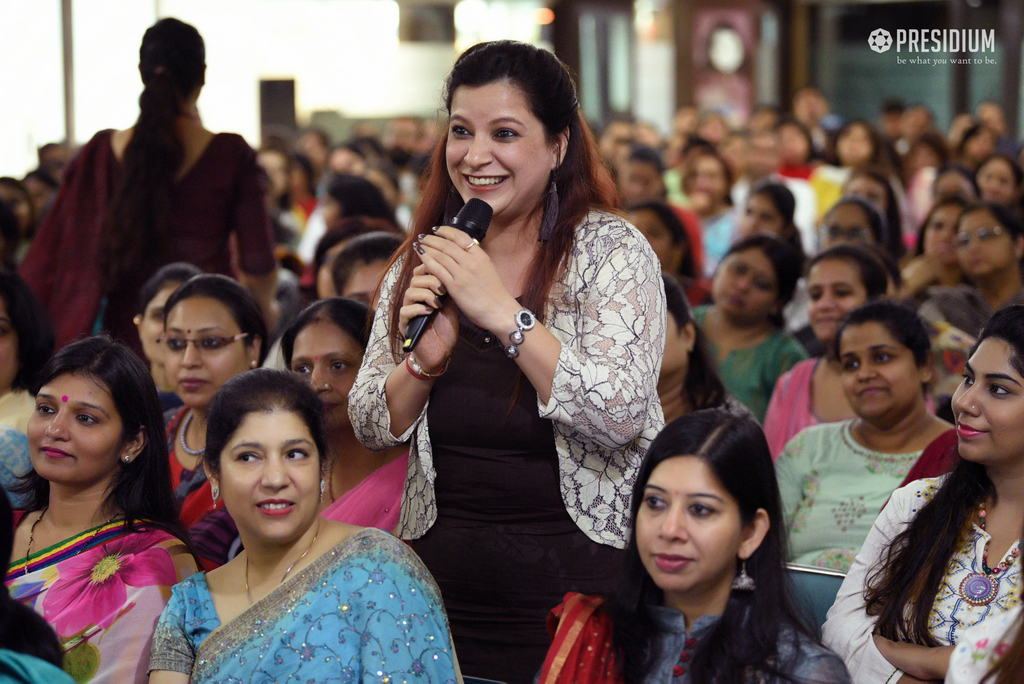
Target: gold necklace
{"points": [[32, 536], [290, 567]]}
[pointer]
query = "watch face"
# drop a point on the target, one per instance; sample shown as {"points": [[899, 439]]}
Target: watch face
{"points": [[525, 319]]}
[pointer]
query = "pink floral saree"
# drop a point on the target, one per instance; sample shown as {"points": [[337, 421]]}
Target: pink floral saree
{"points": [[102, 592]]}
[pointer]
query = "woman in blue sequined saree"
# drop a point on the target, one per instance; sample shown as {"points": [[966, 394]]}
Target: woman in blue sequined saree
{"points": [[309, 599]]}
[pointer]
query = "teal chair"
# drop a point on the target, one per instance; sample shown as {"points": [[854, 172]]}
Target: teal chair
{"points": [[814, 591]]}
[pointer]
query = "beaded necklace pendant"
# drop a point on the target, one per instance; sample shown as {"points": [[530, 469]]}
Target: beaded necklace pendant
{"points": [[980, 588]]}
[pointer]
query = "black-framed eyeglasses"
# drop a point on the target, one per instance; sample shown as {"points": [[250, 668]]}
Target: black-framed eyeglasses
{"points": [[177, 344]]}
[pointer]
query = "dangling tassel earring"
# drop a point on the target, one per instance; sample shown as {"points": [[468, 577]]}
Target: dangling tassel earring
{"points": [[547, 224], [451, 207], [743, 581]]}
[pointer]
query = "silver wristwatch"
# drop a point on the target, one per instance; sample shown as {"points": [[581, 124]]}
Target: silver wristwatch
{"points": [[525, 320]]}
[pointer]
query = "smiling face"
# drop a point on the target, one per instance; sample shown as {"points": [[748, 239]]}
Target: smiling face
{"points": [[74, 435], [989, 407], [270, 478], [997, 182], [745, 287], [880, 378], [835, 289], [499, 152], [197, 374], [329, 358], [9, 364], [690, 534]]}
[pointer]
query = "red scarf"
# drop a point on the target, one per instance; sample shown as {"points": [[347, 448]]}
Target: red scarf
{"points": [[581, 643]]}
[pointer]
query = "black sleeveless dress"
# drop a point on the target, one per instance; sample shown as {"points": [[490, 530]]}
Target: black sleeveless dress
{"points": [[503, 550]]}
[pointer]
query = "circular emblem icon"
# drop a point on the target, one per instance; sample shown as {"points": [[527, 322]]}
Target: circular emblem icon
{"points": [[880, 40]]}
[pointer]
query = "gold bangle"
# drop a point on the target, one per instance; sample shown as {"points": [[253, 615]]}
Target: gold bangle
{"points": [[417, 370]]}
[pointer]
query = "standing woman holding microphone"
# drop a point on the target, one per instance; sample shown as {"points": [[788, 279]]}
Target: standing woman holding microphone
{"points": [[532, 396]]}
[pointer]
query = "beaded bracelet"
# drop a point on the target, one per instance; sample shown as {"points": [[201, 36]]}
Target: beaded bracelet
{"points": [[416, 370]]}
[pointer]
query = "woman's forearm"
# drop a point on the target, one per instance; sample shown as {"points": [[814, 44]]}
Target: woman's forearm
{"points": [[406, 395]]}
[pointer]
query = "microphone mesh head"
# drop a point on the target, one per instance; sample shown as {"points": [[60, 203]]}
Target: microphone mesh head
{"points": [[474, 218]]}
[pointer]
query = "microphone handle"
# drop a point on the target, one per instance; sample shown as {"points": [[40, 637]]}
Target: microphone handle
{"points": [[418, 325]]}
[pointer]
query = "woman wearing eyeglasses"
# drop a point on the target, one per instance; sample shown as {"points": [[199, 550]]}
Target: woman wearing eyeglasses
{"points": [[989, 247], [213, 330], [852, 219]]}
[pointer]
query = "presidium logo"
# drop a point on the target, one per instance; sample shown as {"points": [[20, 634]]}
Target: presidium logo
{"points": [[880, 40], [934, 40]]}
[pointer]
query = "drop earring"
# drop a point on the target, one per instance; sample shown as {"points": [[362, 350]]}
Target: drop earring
{"points": [[216, 495], [547, 224], [743, 581], [323, 488]]}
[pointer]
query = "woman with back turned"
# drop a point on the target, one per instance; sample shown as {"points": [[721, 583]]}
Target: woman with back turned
{"points": [[164, 190]]}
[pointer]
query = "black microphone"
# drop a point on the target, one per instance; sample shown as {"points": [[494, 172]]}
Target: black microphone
{"points": [[472, 219]]}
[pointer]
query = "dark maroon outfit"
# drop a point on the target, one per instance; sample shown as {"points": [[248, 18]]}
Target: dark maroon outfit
{"points": [[219, 195], [503, 549]]}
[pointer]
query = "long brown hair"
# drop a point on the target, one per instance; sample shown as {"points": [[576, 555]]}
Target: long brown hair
{"points": [[583, 182], [902, 589]]}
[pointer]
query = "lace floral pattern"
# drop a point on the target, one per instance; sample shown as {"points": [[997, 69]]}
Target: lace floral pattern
{"points": [[608, 312]]}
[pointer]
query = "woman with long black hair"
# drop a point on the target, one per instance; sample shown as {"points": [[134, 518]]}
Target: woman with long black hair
{"points": [[164, 190]]}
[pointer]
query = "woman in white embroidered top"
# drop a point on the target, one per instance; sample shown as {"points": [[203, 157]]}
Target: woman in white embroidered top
{"points": [[944, 555], [538, 377]]}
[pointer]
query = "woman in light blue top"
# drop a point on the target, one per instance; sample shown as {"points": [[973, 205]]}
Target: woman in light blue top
{"points": [[308, 599]]}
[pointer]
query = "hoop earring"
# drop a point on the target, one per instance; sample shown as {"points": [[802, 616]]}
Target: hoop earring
{"points": [[743, 581]]}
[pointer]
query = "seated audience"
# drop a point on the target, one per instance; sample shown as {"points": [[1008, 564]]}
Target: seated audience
{"points": [[769, 210], [670, 240], [935, 261], [874, 185], [326, 345], [688, 380], [707, 181], [852, 219], [358, 268], [999, 179], [29, 650], [835, 476], [99, 546], [990, 244], [838, 281], [703, 591], [150, 323], [26, 342], [944, 555], [744, 325], [331, 600], [213, 330]]}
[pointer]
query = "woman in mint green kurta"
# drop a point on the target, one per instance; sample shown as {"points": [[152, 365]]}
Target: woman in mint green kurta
{"points": [[743, 326], [834, 478]]}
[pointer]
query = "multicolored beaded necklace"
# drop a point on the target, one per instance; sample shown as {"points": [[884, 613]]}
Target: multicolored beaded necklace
{"points": [[979, 588]]}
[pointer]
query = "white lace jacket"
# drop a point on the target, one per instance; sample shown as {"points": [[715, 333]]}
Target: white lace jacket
{"points": [[609, 314]]}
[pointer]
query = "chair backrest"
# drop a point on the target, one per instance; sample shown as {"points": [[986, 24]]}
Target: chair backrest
{"points": [[478, 680], [814, 591]]}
